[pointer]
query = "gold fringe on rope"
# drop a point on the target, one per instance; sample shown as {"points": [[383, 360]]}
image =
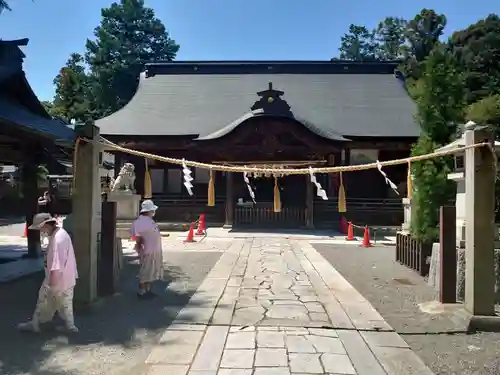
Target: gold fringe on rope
{"points": [[409, 183], [211, 190], [75, 159], [148, 191], [277, 198], [342, 203]]}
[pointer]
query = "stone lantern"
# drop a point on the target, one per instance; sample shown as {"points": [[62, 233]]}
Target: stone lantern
{"points": [[458, 175]]}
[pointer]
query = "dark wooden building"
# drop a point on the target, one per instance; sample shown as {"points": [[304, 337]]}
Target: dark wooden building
{"points": [[29, 136], [270, 113]]}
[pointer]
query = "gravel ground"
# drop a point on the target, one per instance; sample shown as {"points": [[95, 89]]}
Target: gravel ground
{"points": [[115, 338], [395, 291]]}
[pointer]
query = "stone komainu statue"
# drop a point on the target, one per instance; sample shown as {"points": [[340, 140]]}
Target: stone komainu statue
{"points": [[125, 180]]}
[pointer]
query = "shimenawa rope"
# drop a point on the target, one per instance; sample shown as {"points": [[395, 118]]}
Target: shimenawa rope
{"points": [[291, 171]]}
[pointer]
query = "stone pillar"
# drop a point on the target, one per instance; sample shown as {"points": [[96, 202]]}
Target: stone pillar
{"points": [[406, 227], [480, 227], [29, 172], [309, 203], [87, 215], [229, 201]]}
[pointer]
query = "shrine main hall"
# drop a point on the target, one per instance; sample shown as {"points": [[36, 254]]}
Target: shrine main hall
{"points": [[287, 114]]}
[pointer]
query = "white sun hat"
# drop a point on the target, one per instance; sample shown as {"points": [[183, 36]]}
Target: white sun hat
{"points": [[148, 206], [39, 220]]}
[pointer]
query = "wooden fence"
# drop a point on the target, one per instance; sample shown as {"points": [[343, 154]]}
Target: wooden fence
{"points": [[413, 253]]}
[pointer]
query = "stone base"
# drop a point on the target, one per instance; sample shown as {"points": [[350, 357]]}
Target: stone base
{"points": [[434, 272], [127, 205], [460, 233], [484, 323]]}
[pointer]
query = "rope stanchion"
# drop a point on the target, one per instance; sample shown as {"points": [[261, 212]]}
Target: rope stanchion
{"points": [[290, 171], [364, 228]]}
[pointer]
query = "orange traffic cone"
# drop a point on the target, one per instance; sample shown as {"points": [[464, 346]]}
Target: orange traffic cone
{"points": [[25, 234], [366, 238], [190, 236], [201, 225], [350, 233]]}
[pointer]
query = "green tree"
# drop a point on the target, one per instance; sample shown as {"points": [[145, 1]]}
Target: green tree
{"points": [[4, 6], [129, 35], [439, 96], [72, 98], [422, 35], [48, 105], [424, 31], [432, 189], [487, 112], [477, 48], [358, 44], [391, 36]]}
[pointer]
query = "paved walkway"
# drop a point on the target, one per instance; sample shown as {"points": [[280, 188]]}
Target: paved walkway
{"points": [[274, 306]]}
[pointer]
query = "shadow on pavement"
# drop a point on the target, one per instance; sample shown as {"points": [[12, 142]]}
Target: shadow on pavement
{"points": [[107, 331], [12, 252]]}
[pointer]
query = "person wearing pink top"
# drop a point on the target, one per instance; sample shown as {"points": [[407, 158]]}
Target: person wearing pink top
{"points": [[56, 292], [148, 246]]}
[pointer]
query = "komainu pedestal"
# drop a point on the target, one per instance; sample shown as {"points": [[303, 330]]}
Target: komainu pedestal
{"points": [[127, 210]]}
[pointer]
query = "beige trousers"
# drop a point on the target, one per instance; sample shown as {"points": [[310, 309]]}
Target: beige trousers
{"points": [[49, 303]]}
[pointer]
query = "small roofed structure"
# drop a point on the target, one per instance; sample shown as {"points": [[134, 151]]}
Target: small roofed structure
{"points": [[29, 136], [290, 113]]}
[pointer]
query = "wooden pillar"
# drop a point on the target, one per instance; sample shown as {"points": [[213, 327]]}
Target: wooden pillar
{"points": [[480, 224], [118, 163], [309, 203], [86, 215], [331, 186], [140, 170], [448, 255], [229, 201], [29, 171]]}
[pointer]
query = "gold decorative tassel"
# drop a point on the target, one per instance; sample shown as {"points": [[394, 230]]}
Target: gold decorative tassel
{"points": [[211, 190], [409, 183], [342, 202], [277, 198], [148, 191]]}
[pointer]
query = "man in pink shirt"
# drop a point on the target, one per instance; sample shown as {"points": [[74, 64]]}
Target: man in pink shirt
{"points": [[148, 246], [56, 292]]}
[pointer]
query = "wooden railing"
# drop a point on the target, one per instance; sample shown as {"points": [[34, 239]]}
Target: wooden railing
{"points": [[380, 212], [263, 216], [413, 253], [361, 211], [185, 209]]}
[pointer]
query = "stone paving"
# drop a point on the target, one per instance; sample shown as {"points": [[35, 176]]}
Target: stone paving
{"points": [[274, 307]]}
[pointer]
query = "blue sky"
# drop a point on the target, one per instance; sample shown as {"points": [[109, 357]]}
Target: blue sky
{"points": [[217, 29]]}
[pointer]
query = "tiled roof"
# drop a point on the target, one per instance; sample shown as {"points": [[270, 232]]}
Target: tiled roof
{"points": [[201, 99], [18, 115]]}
